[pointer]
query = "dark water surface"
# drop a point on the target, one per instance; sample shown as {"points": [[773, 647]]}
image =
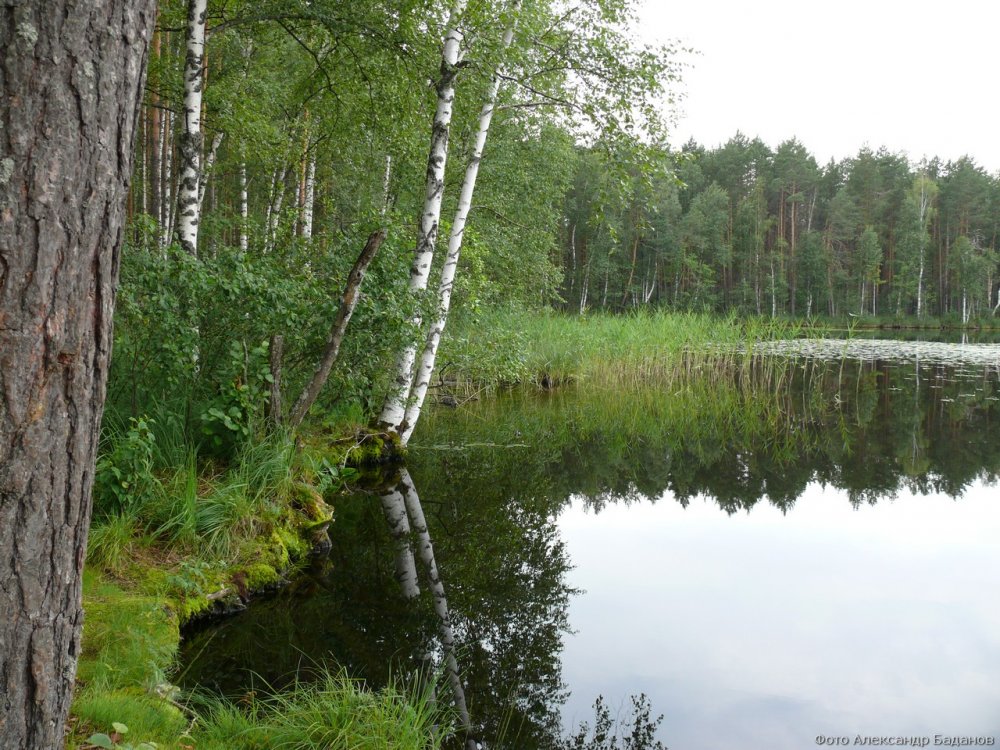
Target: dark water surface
{"points": [[807, 547]]}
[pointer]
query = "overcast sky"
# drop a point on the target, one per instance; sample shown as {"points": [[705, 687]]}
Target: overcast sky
{"points": [[918, 77]]}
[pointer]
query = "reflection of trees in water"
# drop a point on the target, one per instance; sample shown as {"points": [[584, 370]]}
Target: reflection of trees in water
{"points": [[505, 610], [870, 428]]}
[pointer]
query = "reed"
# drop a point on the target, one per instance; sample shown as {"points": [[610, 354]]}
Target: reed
{"points": [[645, 348]]}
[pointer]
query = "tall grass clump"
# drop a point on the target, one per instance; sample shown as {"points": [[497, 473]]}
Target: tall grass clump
{"points": [[642, 348], [331, 712]]}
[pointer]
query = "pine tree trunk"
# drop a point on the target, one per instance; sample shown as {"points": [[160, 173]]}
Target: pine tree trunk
{"points": [[70, 87], [425, 369], [394, 408]]}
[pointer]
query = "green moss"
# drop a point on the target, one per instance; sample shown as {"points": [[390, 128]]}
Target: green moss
{"points": [[294, 544], [128, 638], [259, 576], [372, 448]]}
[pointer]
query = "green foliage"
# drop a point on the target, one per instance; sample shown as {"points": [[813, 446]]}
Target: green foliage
{"points": [[114, 740], [124, 475], [229, 419]]}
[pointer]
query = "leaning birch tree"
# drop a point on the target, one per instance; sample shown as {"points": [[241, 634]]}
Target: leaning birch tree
{"points": [[71, 79], [188, 203], [394, 407], [425, 368]]}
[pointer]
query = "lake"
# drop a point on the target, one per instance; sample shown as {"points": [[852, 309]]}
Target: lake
{"points": [[804, 546]]}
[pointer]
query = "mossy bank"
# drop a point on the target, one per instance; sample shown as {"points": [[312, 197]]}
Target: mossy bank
{"points": [[202, 540]]}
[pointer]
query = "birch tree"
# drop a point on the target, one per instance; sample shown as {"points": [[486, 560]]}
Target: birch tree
{"points": [[422, 377], [394, 408], [188, 203], [71, 78]]}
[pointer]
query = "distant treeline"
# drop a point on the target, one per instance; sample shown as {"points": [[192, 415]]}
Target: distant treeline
{"points": [[749, 229]]}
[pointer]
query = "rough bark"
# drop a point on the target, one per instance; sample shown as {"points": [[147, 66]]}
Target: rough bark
{"points": [[422, 377], [349, 301], [190, 144], [70, 85], [394, 408]]}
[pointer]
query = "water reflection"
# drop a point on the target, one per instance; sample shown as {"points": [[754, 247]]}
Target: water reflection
{"points": [[779, 598]]}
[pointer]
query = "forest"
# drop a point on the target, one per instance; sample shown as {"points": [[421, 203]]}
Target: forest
{"points": [[309, 218]]}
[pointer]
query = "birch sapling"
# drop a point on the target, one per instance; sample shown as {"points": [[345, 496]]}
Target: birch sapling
{"points": [[425, 369], [394, 408], [188, 205]]}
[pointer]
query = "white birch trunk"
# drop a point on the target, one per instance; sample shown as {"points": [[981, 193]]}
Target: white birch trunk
{"points": [[386, 179], [166, 173], [213, 152], [307, 207], [394, 408], [274, 212], [422, 377], [188, 205], [244, 209]]}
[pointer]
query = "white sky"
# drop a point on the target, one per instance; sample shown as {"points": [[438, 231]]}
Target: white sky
{"points": [[914, 76]]}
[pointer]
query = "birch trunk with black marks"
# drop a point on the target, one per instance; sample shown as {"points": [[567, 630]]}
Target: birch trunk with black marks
{"points": [[309, 199], [244, 209], [70, 87], [188, 205], [422, 377], [166, 180], [352, 290], [206, 171], [274, 208], [394, 408]]}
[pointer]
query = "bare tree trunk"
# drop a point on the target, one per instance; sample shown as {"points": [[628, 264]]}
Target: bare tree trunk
{"points": [[394, 408], [188, 205], [422, 377], [347, 305], [70, 88]]}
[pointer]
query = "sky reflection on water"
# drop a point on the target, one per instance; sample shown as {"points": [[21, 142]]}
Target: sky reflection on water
{"points": [[764, 630]]}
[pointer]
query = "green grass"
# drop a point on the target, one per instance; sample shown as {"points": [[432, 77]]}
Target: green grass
{"points": [[545, 349], [332, 712]]}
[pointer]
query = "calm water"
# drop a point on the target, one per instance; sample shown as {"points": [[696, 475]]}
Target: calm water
{"points": [[769, 556]]}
